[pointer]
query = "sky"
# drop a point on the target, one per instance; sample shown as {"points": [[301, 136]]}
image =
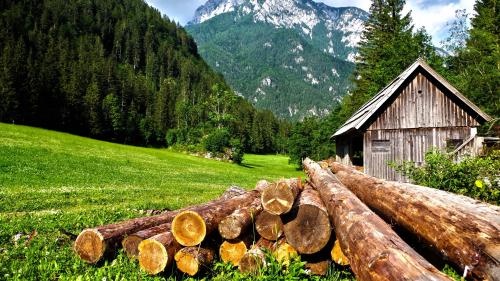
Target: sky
{"points": [[432, 14]]}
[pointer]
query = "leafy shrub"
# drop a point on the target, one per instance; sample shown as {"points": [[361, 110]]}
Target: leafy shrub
{"points": [[171, 137], [477, 177], [237, 151], [217, 141], [194, 136]]}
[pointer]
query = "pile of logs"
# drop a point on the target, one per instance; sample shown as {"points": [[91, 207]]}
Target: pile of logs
{"points": [[330, 217]]}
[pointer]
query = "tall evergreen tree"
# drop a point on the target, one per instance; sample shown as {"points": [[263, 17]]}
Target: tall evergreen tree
{"points": [[115, 70], [388, 46], [477, 66]]}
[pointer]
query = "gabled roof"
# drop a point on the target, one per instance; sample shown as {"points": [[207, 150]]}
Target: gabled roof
{"points": [[369, 109]]}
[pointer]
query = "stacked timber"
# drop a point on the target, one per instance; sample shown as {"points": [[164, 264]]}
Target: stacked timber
{"points": [[465, 231], [327, 220], [374, 250]]}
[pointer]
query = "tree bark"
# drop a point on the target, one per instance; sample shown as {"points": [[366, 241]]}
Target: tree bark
{"points": [[157, 252], [374, 250], [307, 227], [465, 231], [192, 260], [191, 227], [278, 198], [269, 226], [131, 243], [92, 244], [234, 225]]}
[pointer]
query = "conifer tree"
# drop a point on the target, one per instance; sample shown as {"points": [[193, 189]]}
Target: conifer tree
{"points": [[388, 46], [477, 66]]}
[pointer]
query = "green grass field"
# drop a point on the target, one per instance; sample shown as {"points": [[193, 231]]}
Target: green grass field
{"points": [[58, 184]]}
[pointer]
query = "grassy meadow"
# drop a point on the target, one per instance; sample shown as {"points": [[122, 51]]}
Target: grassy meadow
{"points": [[52, 185]]}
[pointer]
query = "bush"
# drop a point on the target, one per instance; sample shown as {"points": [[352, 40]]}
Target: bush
{"points": [[171, 137], [477, 177], [217, 141], [236, 151]]}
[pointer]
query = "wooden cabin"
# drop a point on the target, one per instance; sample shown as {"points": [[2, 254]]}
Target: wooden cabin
{"points": [[417, 111]]}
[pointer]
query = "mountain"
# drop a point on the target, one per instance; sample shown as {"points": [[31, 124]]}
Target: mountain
{"points": [[294, 57]]}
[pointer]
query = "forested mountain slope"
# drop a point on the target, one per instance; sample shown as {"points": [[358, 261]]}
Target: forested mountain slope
{"points": [[114, 70], [294, 57]]}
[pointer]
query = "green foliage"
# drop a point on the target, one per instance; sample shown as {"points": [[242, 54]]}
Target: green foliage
{"points": [[59, 184], [217, 141], [236, 151], [389, 45], [452, 273], [171, 137], [312, 138], [113, 70], [476, 177], [276, 270], [475, 70]]}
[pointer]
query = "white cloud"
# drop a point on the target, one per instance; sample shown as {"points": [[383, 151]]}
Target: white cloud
{"points": [[435, 16]]}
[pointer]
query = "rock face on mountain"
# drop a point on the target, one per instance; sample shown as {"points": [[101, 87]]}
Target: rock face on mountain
{"points": [[294, 57]]}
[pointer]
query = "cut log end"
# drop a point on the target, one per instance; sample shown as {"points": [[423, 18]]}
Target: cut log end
{"points": [[319, 268], [90, 245], [252, 262], [131, 246], [338, 256], [191, 260], [269, 226], [285, 253], [278, 198], [186, 263], [232, 252], [153, 257], [309, 230], [230, 228], [189, 228]]}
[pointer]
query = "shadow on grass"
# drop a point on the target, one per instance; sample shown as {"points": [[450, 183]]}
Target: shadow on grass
{"points": [[250, 166]]}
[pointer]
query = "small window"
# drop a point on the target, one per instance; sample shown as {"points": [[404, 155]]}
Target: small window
{"points": [[452, 144], [381, 145]]}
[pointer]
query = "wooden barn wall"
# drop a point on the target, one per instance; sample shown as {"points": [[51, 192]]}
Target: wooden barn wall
{"points": [[382, 146], [421, 105]]}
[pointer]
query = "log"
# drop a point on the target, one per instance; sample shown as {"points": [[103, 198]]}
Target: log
{"points": [[278, 198], [319, 263], [240, 220], [307, 227], [269, 226], [374, 250], [157, 252], [464, 231], [191, 260], [254, 260], [231, 251], [338, 256], [131, 243], [191, 227], [319, 268], [285, 252], [92, 244]]}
